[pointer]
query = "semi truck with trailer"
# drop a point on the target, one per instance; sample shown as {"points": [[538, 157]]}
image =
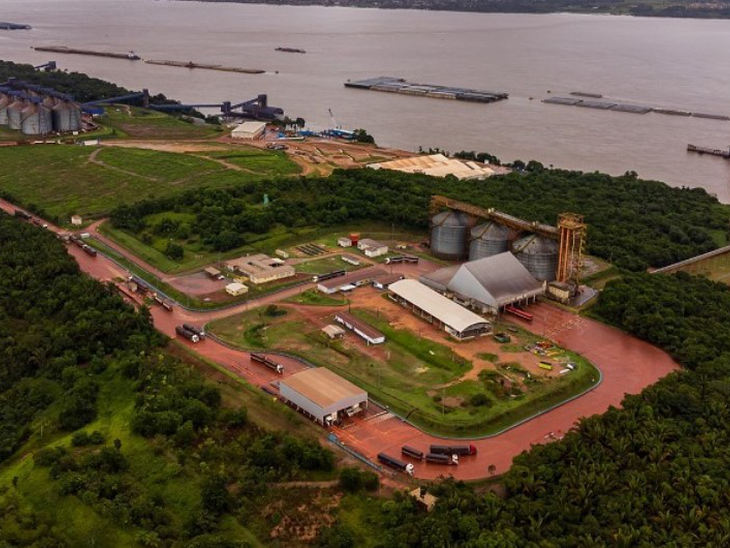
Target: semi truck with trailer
{"points": [[454, 449], [197, 330], [438, 458], [266, 362], [189, 335], [396, 464]]}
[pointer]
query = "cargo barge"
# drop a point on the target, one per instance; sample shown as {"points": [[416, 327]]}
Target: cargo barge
{"points": [[587, 94], [204, 66], [130, 56], [710, 151], [628, 107], [291, 50], [399, 85], [4, 25]]}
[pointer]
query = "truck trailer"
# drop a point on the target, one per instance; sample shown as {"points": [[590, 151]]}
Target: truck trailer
{"points": [[454, 449], [266, 362], [197, 330], [437, 458], [189, 335], [395, 463], [411, 452]]}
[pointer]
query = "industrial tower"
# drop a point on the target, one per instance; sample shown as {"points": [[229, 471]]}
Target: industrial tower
{"points": [[570, 257]]}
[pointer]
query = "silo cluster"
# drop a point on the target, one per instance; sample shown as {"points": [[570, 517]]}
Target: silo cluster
{"points": [[34, 110], [453, 237]]}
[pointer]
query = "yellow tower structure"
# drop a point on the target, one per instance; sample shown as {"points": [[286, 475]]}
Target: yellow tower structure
{"points": [[570, 251]]}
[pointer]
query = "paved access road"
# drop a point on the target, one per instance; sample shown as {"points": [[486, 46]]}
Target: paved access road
{"points": [[628, 365]]}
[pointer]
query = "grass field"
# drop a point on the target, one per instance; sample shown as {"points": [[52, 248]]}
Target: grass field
{"points": [[66, 179], [413, 375], [138, 123], [313, 297]]}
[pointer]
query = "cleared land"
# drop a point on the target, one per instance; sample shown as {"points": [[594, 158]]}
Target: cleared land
{"points": [[476, 387], [65, 180], [138, 123]]}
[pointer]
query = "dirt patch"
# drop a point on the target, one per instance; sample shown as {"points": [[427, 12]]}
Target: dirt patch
{"points": [[453, 401], [302, 514]]}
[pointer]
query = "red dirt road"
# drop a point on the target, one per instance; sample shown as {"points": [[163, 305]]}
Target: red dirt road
{"points": [[628, 365]]}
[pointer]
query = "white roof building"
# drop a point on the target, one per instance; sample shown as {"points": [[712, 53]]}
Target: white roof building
{"points": [[487, 284], [249, 130], [456, 320], [236, 289]]}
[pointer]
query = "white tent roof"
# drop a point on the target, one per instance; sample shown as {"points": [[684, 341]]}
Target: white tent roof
{"points": [[445, 310], [495, 281], [249, 127]]}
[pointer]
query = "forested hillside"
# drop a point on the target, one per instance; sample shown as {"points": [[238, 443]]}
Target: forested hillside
{"points": [[633, 223], [655, 473], [106, 439]]}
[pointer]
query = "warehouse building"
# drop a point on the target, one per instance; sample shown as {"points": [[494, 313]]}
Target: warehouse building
{"points": [[261, 268], [359, 327], [487, 284], [323, 395], [383, 282], [372, 248], [453, 318], [249, 130], [356, 279]]}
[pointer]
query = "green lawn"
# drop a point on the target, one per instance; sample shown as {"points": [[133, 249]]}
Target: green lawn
{"points": [[66, 179], [328, 264], [257, 160], [417, 376], [313, 297], [138, 123]]}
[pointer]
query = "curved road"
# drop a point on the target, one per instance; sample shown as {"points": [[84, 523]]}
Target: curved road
{"points": [[628, 366]]}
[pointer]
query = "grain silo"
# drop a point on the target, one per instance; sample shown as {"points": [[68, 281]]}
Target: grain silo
{"points": [[488, 239], [15, 109], [449, 235], [538, 254], [36, 119], [4, 102]]}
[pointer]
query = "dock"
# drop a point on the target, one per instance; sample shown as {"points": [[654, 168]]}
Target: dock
{"points": [[204, 66], [723, 153], [399, 85]]}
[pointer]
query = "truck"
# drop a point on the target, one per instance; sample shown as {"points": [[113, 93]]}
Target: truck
{"points": [[437, 458], [401, 259], [189, 335], [396, 464], [266, 362], [197, 330], [89, 250], [328, 276], [167, 305], [412, 452], [454, 449]]}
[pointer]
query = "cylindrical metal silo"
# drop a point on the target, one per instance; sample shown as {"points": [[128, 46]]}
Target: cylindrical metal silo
{"points": [[74, 116], [449, 235], [488, 239], [62, 116], [538, 254], [36, 120], [15, 110], [4, 102]]}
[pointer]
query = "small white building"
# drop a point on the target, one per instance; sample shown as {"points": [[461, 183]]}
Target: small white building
{"points": [[249, 130], [76, 220], [236, 288], [372, 248], [344, 242]]}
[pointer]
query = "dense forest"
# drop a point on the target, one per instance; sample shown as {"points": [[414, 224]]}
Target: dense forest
{"points": [[632, 223], [83, 88], [102, 427], [654, 473], [672, 8]]}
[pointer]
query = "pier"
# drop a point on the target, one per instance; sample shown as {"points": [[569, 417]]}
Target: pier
{"points": [[711, 151]]}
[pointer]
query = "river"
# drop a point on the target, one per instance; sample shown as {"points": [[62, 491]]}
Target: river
{"points": [[676, 63]]}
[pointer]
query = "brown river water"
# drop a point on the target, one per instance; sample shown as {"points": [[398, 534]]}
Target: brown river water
{"points": [[675, 63]]}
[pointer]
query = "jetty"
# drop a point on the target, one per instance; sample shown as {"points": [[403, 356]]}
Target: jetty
{"points": [[129, 56], [204, 66], [723, 153]]}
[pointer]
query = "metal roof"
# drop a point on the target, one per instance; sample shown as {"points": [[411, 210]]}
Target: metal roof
{"points": [[353, 277], [322, 387], [445, 310], [495, 281]]}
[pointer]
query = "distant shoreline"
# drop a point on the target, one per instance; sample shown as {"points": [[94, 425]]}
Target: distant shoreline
{"points": [[519, 7]]}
